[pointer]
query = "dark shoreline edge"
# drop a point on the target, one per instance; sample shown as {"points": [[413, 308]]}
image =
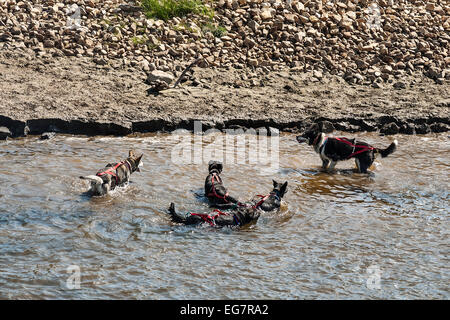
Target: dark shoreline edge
{"points": [[386, 125]]}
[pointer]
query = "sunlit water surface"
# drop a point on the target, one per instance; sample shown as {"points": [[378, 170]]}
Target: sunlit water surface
{"points": [[337, 236]]}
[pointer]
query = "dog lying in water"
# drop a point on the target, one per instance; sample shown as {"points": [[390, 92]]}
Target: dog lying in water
{"points": [[242, 214], [215, 190], [239, 217], [114, 175], [332, 150]]}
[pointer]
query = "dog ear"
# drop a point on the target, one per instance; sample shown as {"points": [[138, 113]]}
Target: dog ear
{"points": [[314, 127], [215, 165], [137, 163], [283, 188], [131, 154], [275, 184], [210, 165], [138, 160]]}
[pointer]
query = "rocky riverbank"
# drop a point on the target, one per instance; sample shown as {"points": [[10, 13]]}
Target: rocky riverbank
{"points": [[367, 42], [91, 67], [74, 95]]}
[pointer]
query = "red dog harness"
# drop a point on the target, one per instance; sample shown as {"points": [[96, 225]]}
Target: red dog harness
{"points": [[214, 192], [363, 148], [113, 171], [212, 219], [263, 198]]}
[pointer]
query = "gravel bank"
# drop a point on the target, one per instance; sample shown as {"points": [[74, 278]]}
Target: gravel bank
{"points": [[367, 42], [75, 95], [91, 67]]}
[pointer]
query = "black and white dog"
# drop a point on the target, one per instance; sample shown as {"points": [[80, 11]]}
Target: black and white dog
{"points": [[113, 175], [332, 150]]}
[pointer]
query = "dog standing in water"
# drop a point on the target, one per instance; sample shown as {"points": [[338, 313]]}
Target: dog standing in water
{"points": [[113, 175], [332, 150]]}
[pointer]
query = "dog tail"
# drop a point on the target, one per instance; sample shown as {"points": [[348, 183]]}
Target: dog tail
{"points": [[92, 178], [385, 152]]}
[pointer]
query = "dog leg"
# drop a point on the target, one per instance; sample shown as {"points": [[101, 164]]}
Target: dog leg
{"points": [[332, 165], [107, 187], [325, 163], [358, 165], [189, 219], [362, 165], [175, 217]]}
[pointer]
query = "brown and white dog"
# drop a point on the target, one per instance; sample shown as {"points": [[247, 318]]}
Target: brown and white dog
{"points": [[332, 150], [113, 175]]}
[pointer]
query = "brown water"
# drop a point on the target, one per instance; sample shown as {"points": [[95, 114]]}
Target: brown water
{"points": [[337, 236]]}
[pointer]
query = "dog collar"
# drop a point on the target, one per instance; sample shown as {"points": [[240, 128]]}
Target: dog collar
{"points": [[277, 197]]}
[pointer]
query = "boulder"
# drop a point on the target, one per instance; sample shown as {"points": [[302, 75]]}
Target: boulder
{"points": [[4, 133], [158, 75], [390, 128]]}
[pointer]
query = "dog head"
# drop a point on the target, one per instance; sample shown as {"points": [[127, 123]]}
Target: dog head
{"points": [[279, 189], [135, 161], [215, 166], [273, 201], [310, 135]]}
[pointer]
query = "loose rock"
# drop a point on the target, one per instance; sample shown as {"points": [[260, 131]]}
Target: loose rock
{"points": [[342, 38], [4, 133], [390, 128], [158, 75]]}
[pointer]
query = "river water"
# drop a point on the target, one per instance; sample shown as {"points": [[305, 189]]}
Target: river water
{"points": [[337, 236]]}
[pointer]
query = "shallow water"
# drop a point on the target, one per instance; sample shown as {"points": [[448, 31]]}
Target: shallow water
{"points": [[341, 235]]}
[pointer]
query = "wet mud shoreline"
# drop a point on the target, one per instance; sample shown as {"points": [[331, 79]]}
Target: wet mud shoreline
{"points": [[76, 96]]}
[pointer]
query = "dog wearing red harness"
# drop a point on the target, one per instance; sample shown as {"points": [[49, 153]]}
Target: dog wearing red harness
{"points": [[240, 215], [332, 150], [272, 201], [215, 190], [114, 174]]}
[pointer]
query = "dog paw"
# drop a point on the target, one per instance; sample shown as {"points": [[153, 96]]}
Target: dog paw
{"points": [[172, 208]]}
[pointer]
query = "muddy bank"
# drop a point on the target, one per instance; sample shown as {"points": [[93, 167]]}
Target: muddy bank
{"points": [[76, 96]]}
